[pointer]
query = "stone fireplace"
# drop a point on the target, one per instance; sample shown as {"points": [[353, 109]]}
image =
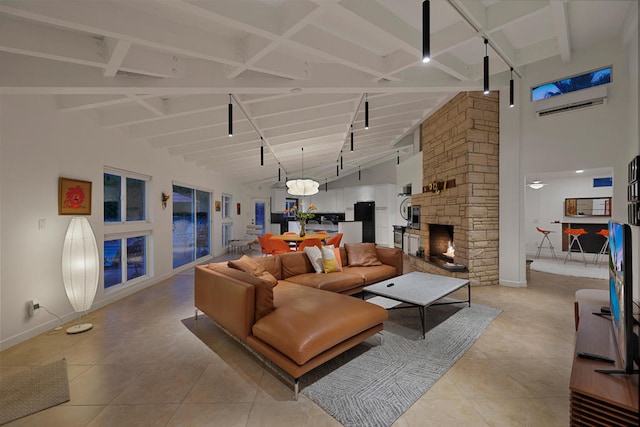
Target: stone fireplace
{"points": [[460, 147]]}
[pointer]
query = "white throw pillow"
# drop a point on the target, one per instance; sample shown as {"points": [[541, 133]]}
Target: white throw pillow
{"points": [[315, 256]]}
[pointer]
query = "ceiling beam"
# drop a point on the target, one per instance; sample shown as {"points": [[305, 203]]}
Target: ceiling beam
{"points": [[561, 22]]}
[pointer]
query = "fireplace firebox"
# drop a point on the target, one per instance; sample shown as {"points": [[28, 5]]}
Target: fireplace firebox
{"points": [[441, 250]]}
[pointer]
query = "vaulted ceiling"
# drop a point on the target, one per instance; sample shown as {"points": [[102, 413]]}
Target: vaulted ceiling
{"points": [[297, 72]]}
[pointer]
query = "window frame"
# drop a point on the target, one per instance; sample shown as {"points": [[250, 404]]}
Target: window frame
{"points": [[226, 211], [123, 174], [124, 229]]}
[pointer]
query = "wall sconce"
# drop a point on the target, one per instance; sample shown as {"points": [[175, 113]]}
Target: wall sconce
{"points": [[165, 198]]}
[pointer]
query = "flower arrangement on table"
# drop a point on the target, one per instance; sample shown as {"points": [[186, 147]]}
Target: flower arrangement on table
{"points": [[302, 216]]}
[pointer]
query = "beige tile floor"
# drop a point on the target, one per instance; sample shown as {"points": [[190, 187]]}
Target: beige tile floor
{"points": [[141, 366]]}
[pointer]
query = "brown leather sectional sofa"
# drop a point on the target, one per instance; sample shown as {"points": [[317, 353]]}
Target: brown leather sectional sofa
{"points": [[296, 318]]}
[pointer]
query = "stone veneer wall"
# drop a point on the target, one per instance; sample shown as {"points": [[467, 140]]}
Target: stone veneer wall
{"points": [[461, 141]]}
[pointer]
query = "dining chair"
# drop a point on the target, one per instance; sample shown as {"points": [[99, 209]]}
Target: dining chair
{"points": [[309, 242], [278, 246], [264, 244], [334, 240]]}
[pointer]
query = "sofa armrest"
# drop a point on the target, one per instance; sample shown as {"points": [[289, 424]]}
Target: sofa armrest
{"points": [[227, 301], [391, 256]]}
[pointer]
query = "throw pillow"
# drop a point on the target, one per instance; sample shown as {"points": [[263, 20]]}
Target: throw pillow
{"points": [[336, 252], [249, 265], [315, 257], [362, 254], [329, 260]]}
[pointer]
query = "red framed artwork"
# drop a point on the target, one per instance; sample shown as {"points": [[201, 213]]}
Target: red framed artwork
{"points": [[238, 208], [74, 197]]}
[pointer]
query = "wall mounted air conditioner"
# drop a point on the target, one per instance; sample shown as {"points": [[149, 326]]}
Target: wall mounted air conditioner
{"points": [[572, 101]]}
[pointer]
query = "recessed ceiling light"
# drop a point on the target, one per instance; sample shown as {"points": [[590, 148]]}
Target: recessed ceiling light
{"points": [[296, 90], [579, 171]]}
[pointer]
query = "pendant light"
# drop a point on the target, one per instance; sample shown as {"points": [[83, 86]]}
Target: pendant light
{"points": [[426, 32], [341, 164], [262, 152], [302, 186], [337, 169], [352, 138], [326, 184], [230, 117], [511, 100], [398, 158], [366, 111], [486, 67], [279, 176], [359, 174]]}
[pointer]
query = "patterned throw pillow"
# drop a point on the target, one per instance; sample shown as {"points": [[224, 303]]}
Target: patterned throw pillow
{"points": [[315, 256], [331, 262]]}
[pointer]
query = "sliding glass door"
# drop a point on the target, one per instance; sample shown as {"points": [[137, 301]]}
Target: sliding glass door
{"points": [[191, 225]]}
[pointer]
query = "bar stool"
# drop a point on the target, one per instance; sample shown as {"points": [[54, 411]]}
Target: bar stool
{"points": [[605, 246], [574, 236], [545, 237]]}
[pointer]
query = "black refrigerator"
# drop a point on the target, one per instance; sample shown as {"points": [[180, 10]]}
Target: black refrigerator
{"points": [[366, 212]]}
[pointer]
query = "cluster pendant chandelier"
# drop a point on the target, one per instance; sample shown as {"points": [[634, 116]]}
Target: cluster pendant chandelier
{"points": [[302, 186]]}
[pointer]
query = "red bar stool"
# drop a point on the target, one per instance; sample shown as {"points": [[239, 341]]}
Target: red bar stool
{"points": [[574, 235], [545, 237], [605, 246]]}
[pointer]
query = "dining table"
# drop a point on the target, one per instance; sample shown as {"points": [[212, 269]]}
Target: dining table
{"points": [[296, 238]]}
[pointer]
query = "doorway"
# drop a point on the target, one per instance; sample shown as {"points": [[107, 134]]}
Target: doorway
{"points": [[260, 214]]}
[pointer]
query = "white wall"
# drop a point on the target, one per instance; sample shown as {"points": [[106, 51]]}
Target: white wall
{"points": [[590, 138], [40, 144]]}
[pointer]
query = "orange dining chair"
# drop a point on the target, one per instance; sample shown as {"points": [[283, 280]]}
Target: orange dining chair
{"points": [[605, 246], [545, 237], [278, 246], [264, 244], [574, 236], [309, 242], [334, 240]]}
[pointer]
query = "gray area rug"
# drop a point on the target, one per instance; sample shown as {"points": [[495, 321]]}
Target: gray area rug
{"points": [[373, 384], [33, 390]]}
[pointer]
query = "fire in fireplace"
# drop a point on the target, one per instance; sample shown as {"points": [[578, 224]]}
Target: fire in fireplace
{"points": [[441, 246]]}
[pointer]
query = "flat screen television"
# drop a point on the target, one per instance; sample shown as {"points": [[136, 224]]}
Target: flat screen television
{"points": [[620, 294]]}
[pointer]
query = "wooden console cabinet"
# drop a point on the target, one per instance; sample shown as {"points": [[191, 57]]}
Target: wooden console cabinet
{"points": [[599, 399]]}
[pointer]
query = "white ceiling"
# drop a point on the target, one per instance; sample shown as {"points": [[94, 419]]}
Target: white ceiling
{"points": [[298, 70]]}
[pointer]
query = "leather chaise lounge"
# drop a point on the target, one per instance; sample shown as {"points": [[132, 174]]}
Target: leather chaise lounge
{"points": [[294, 317]]}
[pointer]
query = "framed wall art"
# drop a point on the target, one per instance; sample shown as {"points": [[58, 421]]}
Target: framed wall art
{"points": [[74, 197], [218, 205]]}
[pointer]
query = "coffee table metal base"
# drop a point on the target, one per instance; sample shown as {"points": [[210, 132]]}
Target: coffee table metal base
{"points": [[419, 290]]}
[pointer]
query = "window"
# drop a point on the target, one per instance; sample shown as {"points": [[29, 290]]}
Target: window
{"points": [[191, 224], [127, 233], [288, 204], [132, 206], [227, 230], [226, 206], [570, 84], [134, 256]]}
